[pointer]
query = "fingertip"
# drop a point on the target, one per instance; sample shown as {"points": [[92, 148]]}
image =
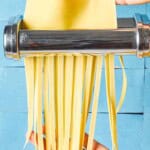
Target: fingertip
{"points": [[31, 138], [121, 2]]}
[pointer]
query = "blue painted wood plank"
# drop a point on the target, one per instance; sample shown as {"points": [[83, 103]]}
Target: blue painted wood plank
{"points": [[129, 131], [130, 61], [147, 78], [13, 90], [135, 91], [9, 8], [146, 124], [146, 132], [147, 91], [147, 100], [147, 62], [13, 129], [148, 9], [129, 11]]}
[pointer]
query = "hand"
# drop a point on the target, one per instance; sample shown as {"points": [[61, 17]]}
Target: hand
{"points": [[131, 2], [96, 145]]}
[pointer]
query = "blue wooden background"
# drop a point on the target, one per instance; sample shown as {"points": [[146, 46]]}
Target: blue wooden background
{"points": [[133, 121]]}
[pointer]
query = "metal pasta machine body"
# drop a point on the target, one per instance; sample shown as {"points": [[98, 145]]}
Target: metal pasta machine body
{"points": [[131, 37]]}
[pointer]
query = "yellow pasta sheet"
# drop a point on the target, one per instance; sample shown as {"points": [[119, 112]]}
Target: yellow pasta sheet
{"points": [[61, 87]]}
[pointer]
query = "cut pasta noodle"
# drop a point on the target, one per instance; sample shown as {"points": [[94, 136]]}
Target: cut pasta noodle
{"points": [[29, 63], [95, 103], [111, 98], [61, 87]]}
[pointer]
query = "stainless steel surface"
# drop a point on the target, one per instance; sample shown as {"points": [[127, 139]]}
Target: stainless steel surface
{"points": [[14, 25], [132, 37], [143, 25]]}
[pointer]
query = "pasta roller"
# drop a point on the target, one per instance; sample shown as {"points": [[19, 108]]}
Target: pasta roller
{"points": [[131, 37]]}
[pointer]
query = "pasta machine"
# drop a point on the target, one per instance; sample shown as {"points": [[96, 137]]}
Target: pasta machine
{"points": [[131, 37]]}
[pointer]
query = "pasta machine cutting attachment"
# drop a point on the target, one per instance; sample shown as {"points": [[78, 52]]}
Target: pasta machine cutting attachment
{"points": [[131, 37]]}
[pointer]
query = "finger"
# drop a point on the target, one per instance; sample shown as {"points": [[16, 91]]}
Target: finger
{"points": [[121, 2], [43, 129], [32, 140], [96, 145], [131, 2]]}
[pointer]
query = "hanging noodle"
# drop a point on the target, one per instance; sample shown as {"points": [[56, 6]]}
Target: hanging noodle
{"points": [[61, 87]]}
